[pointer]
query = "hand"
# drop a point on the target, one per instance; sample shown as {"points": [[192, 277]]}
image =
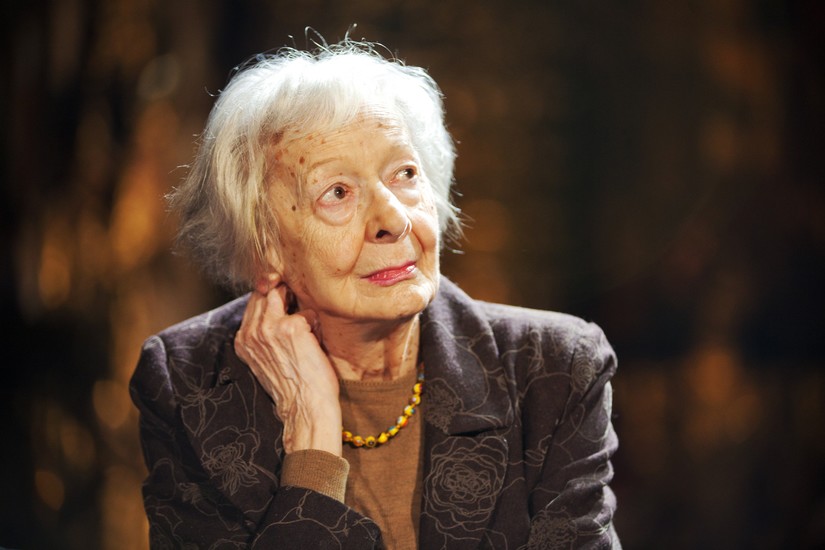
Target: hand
{"points": [[285, 355]]}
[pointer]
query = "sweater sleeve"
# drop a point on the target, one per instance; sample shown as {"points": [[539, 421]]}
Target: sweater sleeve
{"points": [[186, 508], [317, 470]]}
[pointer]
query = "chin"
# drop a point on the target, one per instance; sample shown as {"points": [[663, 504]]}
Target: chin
{"points": [[413, 299], [403, 300]]}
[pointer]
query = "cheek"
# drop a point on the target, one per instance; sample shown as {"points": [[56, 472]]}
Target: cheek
{"points": [[327, 252], [427, 219], [425, 227]]}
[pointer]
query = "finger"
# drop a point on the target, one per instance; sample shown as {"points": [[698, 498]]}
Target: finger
{"points": [[275, 304], [250, 324], [254, 310], [286, 295], [312, 320], [261, 313]]}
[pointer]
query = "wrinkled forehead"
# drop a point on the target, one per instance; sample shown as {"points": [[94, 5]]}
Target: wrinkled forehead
{"points": [[288, 147], [376, 117], [370, 118]]}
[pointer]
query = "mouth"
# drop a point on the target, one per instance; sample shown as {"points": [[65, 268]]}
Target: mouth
{"points": [[391, 275]]}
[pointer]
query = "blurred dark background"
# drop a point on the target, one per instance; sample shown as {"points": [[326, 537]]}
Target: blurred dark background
{"points": [[652, 166]]}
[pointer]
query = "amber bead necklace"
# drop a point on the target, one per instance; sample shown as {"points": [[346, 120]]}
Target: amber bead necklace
{"points": [[371, 441]]}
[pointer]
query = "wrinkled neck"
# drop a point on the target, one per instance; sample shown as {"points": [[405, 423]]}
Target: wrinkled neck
{"points": [[372, 351]]}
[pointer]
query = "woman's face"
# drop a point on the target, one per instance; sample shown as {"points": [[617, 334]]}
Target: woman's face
{"points": [[357, 221]]}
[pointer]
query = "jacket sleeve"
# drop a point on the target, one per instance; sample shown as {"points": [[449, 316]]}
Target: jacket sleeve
{"points": [[572, 505], [186, 509]]}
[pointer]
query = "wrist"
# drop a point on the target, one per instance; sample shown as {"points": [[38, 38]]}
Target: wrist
{"points": [[319, 429]]}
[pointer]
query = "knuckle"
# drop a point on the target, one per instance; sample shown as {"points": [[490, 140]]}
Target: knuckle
{"points": [[292, 325]]}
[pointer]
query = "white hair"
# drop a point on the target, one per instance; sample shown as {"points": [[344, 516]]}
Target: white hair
{"points": [[225, 221]]}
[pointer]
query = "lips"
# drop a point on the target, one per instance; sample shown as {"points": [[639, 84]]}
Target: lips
{"points": [[392, 275]]}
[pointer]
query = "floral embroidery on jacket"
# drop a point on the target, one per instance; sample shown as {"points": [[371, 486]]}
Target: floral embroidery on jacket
{"points": [[464, 481]]}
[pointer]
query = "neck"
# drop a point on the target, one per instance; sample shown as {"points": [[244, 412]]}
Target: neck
{"points": [[371, 351]]}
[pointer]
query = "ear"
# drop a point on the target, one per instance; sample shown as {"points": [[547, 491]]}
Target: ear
{"points": [[271, 273], [267, 281]]}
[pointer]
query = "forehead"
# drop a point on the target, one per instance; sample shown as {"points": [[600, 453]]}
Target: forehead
{"points": [[322, 137]]}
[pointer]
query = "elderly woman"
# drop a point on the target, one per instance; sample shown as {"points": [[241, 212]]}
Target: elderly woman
{"points": [[355, 398]]}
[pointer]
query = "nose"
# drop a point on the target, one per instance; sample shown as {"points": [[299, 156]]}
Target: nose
{"points": [[388, 221]]}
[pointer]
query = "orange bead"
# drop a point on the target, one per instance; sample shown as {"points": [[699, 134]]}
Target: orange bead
{"points": [[358, 441], [402, 421]]}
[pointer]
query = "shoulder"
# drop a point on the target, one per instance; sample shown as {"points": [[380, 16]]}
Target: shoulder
{"points": [[536, 340], [515, 320], [189, 353], [559, 342], [213, 326], [513, 326]]}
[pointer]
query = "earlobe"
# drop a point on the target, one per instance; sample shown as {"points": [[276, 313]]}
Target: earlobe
{"points": [[272, 281], [270, 275], [267, 282]]}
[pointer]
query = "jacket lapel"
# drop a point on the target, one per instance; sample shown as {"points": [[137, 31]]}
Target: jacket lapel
{"points": [[467, 410]]}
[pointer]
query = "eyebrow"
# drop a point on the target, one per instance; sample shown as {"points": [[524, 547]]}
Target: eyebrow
{"points": [[304, 172], [322, 162]]}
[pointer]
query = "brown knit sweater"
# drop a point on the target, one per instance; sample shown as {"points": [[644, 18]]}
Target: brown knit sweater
{"points": [[383, 483]]}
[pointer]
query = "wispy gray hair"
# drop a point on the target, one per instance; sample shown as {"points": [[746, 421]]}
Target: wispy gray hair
{"points": [[226, 223]]}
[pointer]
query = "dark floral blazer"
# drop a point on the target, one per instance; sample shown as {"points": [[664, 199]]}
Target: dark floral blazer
{"points": [[517, 438]]}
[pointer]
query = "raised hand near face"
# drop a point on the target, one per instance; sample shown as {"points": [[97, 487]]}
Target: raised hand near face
{"points": [[284, 353]]}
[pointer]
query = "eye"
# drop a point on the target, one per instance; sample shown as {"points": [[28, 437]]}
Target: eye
{"points": [[337, 203], [334, 194], [407, 173]]}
